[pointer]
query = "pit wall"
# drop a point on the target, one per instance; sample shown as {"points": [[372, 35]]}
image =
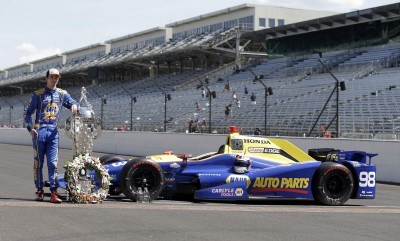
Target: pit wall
{"points": [[145, 143]]}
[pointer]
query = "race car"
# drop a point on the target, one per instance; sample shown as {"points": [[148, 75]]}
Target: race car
{"points": [[247, 168]]}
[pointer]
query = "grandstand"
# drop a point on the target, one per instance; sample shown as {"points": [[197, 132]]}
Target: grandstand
{"points": [[227, 46]]}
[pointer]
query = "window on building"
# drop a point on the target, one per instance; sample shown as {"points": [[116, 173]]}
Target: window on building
{"points": [[281, 22], [261, 22], [246, 23], [230, 23], [271, 22]]}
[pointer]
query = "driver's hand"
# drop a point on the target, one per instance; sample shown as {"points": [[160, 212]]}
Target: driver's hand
{"points": [[33, 132], [74, 109]]}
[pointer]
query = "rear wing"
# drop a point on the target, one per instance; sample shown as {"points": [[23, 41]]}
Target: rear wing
{"points": [[358, 156], [336, 155]]}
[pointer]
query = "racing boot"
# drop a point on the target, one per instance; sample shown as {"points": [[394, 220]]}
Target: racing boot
{"points": [[39, 194], [54, 197]]}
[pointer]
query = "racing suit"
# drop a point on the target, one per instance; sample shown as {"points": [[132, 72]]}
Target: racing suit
{"points": [[47, 104]]}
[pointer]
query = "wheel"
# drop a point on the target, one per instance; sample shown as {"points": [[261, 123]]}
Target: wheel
{"points": [[115, 191], [332, 184], [122, 176], [135, 172], [110, 158]]}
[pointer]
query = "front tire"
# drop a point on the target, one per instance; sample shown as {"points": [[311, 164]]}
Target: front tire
{"points": [[332, 184], [114, 191], [133, 174], [110, 158]]}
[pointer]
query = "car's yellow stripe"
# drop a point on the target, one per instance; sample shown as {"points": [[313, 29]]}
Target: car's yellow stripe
{"points": [[292, 150]]}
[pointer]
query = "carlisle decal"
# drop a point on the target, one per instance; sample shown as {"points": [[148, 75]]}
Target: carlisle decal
{"points": [[284, 184], [228, 192], [238, 178], [224, 192]]}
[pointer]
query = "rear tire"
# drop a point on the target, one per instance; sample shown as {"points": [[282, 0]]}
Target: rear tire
{"points": [[333, 184], [133, 174]]}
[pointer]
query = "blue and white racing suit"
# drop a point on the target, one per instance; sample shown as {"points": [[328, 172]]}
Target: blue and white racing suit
{"points": [[47, 104]]}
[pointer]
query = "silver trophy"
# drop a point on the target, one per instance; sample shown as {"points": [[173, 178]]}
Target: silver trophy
{"points": [[83, 127]]}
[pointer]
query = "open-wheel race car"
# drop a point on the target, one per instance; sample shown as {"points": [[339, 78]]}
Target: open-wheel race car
{"points": [[247, 168]]}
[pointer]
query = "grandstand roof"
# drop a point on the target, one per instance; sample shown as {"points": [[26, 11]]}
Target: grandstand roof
{"points": [[227, 11], [46, 58], [85, 48], [212, 14], [382, 13], [135, 34], [19, 66]]}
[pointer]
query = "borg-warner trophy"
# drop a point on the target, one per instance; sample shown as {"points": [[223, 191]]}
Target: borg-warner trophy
{"points": [[87, 180], [84, 127]]}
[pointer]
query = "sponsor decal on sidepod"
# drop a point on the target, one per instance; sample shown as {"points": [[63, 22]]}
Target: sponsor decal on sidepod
{"points": [[238, 178], [284, 184], [228, 192]]}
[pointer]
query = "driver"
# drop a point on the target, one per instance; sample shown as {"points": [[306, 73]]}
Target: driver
{"points": [[47, 103], [242, 164]]}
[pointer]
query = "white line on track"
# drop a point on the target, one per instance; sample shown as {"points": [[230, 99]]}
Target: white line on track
{"points": [[222, 208]]}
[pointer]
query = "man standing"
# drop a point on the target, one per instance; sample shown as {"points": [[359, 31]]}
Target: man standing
{"points": [[47, 102], [253, 99]]}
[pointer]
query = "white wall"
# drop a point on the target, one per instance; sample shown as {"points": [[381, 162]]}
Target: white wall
{"points": [[145, 143]]}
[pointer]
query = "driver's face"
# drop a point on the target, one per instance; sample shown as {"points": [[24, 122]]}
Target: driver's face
{"points": [[52, 80]]}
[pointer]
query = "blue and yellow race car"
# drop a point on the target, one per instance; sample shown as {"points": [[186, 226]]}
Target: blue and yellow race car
{"points": [[248, 168]]}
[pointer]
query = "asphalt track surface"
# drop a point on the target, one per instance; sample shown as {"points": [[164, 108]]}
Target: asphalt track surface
{"points": [[22, 218]]}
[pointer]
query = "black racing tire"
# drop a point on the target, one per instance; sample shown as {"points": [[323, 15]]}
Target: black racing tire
{"points": [[135, 171], [332, 184], [110, 158], [122, 176], [114, 191]]}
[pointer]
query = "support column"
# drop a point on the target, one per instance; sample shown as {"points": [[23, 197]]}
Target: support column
{"points": [[151, 70], [169, 66], [221, 59], [238, 48], [193, 63]]}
